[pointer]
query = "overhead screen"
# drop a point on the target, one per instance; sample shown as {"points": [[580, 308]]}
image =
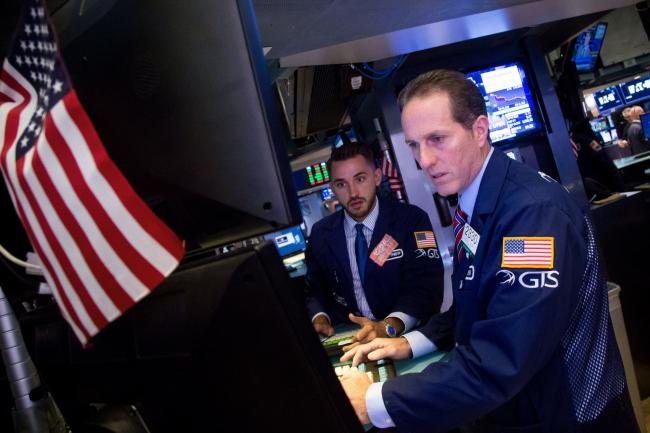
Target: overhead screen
{"points": [[510, 105], [623, 93], [587, 47]]}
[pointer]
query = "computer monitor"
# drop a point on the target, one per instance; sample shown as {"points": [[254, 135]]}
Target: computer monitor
{"points": [[180, 96], [509, 101], [645, 123], [587, 47], [635, 89], [608, 98], [288, 241], [223, 345], [327, 193]]}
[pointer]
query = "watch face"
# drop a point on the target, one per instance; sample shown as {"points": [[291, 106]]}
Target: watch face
{"points": [[390, 330]]}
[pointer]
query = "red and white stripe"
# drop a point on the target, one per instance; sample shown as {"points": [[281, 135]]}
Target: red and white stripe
{"points": [[537, 253], [101, 247], [389, 170]]}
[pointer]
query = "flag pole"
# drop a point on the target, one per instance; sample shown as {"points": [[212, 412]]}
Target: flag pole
{"points": [[35, 409], [384, 146]]}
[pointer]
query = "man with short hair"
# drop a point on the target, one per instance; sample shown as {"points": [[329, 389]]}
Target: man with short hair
{"points": [[374, 263], [533, 347]]}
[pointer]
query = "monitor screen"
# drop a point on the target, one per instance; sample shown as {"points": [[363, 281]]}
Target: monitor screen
{"points": [[587, 47], [317, 174], [508, 99], [288, 241], [180, 96], [608, 98], [645, 123], [598, 124], [327, 193], [606, 136], [635, 89]]}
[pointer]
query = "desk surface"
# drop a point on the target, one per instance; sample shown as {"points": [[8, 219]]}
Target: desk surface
{"points": [[631, 160], [414, 365]]}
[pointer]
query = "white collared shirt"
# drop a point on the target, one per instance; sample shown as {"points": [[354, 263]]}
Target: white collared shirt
{"points": [[421, 345], [349, 226]]}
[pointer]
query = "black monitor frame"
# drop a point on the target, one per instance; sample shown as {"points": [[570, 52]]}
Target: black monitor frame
{"points": [[224, 344], [180, 96]]}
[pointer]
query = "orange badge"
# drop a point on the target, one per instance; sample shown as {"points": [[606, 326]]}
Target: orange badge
{"points": [[383, 249]]}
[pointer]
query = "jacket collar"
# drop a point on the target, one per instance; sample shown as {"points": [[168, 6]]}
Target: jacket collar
{"points": [[491, 184]]}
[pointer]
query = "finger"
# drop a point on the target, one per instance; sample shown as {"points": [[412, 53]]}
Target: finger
{"points": [[360, 353], [359, 320], [380, 353], [350, 346], [322, 330], [349, 353], [362, 334], [359, 357]]}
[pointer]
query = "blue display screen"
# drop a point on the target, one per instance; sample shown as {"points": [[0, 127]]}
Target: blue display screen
{"points": [[608, 98], [509, 102], [587, 47], [288, 241], [327, 193], [645, 123], [636, 89]]}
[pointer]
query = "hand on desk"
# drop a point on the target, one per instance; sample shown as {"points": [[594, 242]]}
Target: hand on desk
{"points": [[323, 326], [379, 348], [355, 384], [368, 332], [371, 329]]}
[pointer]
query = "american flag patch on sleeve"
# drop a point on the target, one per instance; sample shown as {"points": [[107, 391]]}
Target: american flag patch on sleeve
{"points": [[425, 239], [528, 252]]}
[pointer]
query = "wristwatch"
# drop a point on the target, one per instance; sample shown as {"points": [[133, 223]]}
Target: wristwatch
{"points": [[390, 330]]}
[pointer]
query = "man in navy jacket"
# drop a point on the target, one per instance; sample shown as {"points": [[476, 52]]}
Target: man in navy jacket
{"points": [[375, 263], [534, 346]]}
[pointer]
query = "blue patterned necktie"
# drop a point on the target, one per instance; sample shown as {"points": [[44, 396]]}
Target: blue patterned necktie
{"points": [[361, 251], [460, 218]]}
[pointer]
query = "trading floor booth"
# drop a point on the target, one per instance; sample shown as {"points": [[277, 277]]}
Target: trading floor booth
{"points": [[187, 111]]}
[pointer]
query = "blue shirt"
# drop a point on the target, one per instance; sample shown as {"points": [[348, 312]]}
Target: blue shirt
{"points": [[421, 345]]}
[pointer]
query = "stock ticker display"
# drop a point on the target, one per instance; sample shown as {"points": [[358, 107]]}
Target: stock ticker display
{"points": [[510, 105], [317, 174]]}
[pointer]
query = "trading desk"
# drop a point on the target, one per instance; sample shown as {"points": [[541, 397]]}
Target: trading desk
{"points": [[632, 167], [414, 365]]}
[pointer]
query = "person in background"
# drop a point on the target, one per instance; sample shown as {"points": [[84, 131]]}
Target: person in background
{"points": [[375, 262], [599, 174], [533, 347], [633, 132]]}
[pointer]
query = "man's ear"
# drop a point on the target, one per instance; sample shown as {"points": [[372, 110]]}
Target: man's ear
{"points": [[377, 174], [481, 128]]}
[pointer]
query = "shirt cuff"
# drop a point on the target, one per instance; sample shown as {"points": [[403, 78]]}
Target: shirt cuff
{"points": [[408, 321], [420, 345], [376, 409], [322, 313]]}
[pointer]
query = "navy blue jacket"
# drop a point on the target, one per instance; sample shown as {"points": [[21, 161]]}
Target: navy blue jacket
{"points": [[535, 347], [410, 282]]}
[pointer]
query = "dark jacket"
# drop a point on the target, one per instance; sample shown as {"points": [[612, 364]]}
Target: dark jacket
{"points": [[410, 282], [535, 347]]}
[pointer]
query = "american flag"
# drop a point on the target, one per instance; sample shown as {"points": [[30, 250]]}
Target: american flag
{"points": [[102, 249], [389, 170], [425, 239], [527, 252]]}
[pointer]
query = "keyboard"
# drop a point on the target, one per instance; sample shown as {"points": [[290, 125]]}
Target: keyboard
{"points": [[334, 344], [377, 371]]}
